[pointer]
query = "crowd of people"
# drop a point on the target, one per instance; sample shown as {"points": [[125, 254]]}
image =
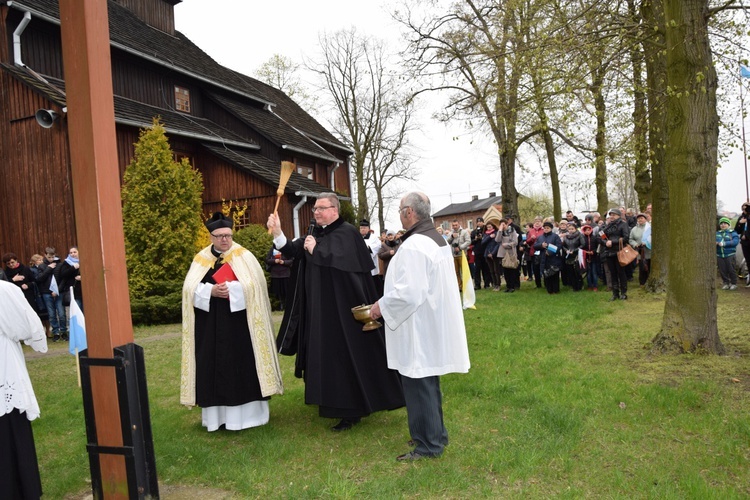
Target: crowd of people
{"points": [[578, 254], [47, 283]]}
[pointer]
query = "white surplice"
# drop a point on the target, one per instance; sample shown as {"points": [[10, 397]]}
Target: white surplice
{"points": [[421, 308], [18, 322]]}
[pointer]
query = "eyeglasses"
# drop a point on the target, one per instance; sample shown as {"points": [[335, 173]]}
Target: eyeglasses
{"points": [[320, 209], [222, 236], [401, 210]]}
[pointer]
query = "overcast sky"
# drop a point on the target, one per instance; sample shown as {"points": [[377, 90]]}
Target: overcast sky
{"points": [[242, 35]]}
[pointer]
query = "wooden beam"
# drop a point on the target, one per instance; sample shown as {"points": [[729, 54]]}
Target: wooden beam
{"points": [[98, 211]]}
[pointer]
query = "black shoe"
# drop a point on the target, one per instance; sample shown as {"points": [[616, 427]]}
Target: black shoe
{"points": [[623, 297], [614, 297], [65, 336], [511, 290], [508, 290], [345, 424], [411, 457], [55, 338]]}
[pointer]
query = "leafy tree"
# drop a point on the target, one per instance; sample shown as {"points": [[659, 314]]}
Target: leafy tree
{"points": [[372, 115], [282, 73], [161, 212]]}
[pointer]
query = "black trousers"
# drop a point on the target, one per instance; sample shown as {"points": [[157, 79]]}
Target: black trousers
{"points": [[552, 283], [619, 276], [424, 411], [512, 278]]}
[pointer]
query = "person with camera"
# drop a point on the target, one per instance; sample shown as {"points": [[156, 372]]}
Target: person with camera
{"points": [[742, 228]]}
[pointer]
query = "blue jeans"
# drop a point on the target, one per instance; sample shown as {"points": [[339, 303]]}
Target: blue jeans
{"points": [[56, 312], [592, 274]]}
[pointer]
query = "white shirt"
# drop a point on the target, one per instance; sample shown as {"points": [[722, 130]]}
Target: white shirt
{"points": [[18, 322], [425, 333], [373, 243]]}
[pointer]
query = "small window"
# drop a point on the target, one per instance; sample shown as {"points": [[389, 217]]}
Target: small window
{"points": [[305, 172], [181, 99], [240, 215]]}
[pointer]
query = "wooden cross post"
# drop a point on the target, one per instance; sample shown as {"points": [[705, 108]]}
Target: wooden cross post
{"points": [[98, 212]]}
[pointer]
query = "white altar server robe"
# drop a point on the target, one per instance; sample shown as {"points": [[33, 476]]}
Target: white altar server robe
{"points": [[425, 333]]}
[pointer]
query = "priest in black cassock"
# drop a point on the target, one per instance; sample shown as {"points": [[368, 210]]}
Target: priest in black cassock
{"points": [[229, 363], [345, 369]]}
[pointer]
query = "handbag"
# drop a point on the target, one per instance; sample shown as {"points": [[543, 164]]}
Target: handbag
{"points": [[626, 254], [550, 271], [510, 260]]}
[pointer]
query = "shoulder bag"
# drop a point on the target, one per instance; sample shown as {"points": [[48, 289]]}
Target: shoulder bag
{"points": [[626, 254]]}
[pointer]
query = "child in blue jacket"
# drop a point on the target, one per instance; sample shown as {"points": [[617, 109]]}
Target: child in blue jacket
{"points": [[726, 246]]}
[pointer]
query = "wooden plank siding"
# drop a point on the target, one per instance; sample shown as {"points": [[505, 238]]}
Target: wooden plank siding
{"points": [[36, 201], [40, 46], [157, 13]]}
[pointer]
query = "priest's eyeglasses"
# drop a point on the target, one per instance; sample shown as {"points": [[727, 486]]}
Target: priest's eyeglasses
{"points": [[320, 209], [222, 236]]}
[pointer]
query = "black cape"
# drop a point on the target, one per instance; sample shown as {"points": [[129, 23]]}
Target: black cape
{"points": [[345, 369]]}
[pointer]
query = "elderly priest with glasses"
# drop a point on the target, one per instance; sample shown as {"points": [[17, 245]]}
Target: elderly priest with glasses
{"points": [[229, 363], [345, 369]]}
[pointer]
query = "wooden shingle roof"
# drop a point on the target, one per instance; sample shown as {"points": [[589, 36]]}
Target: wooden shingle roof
{"points": [[178, 53], [266, 169], [138, 114], [469, 206], [272, 126]]}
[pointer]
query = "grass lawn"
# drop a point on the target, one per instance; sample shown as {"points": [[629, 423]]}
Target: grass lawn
{"points": [[563, 400]]}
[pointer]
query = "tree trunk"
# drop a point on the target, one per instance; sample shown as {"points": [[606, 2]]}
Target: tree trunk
{"points": [[554, 177], [600, 152], [689, 321], [652, 13], [640, 120]]}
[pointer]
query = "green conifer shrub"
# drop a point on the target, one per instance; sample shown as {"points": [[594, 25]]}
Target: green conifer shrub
{"points": [[162, 218]]}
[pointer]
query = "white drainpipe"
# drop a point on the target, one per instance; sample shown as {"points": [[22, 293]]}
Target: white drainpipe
{"points": [[333, 183], [17, 38], [295, 216]]}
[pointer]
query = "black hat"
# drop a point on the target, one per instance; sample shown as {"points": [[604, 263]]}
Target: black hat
{"points": [[548, 224], [217, 221], [480, 219], [364, 222]]}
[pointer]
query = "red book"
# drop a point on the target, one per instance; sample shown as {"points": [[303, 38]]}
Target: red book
{"points": [[224, 273]]}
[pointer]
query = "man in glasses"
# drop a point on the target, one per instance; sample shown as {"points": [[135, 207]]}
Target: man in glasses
{"points": [[345, 369], [424, 324], [229, 363]]}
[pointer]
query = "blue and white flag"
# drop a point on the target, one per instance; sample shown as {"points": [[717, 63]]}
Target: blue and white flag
{"points": [[77, 334], [53, 286], [744, 71]]}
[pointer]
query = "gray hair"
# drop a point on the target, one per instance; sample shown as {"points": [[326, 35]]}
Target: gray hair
{"points": [[419, 203], [332, 197]]}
